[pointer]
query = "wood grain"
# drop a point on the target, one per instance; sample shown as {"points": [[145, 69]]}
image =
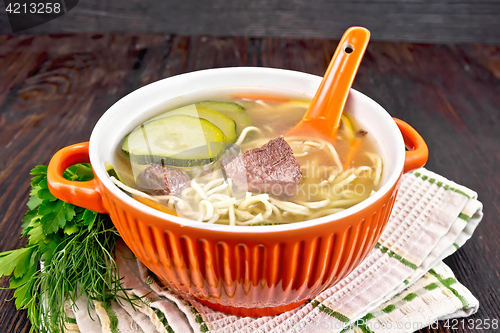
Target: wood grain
{"points": [[54, 88], [443, 21]]}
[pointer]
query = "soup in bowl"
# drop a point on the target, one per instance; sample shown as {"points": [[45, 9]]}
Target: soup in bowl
{"points": [[227, 158], [205, 220]]}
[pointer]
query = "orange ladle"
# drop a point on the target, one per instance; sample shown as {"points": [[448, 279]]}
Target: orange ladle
{"points": [[322, 118]]}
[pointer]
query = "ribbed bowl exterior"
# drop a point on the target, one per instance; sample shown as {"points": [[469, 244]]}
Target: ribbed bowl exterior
{"points": [[248, 269]]}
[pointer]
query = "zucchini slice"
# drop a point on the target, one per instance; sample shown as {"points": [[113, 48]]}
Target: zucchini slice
{"points": [[111, 170], [225, 123], [232, 110], [178, 140], [347, 128]]}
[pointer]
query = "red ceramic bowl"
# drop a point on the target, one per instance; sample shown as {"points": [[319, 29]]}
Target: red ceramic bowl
{"points": [[249, 271]]}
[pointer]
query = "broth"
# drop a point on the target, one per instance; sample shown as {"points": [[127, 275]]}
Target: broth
{"points": [[334, 177]]}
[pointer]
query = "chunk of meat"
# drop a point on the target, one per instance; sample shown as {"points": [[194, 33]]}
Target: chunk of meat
{"points": [[271, 168], [161, 180]]}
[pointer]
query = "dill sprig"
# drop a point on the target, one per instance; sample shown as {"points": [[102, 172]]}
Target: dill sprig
{"points": [[69, 254]]}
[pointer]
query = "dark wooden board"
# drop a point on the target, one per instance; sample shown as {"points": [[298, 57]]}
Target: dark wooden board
{"points": [[53, 89], [443, 21]]}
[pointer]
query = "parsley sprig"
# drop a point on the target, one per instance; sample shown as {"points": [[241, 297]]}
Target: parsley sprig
{"points": [[69, 253]]}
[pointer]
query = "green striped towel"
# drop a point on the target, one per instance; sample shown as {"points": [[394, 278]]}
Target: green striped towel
{"points": [[401, 286]]}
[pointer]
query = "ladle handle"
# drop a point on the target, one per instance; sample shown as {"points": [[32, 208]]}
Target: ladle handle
{"points": [[326, 108]]}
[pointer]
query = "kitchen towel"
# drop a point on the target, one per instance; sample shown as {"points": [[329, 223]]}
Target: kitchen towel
{"points": [[401, 286]]}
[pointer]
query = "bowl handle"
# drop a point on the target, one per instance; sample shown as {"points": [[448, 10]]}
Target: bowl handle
{"points": [[84, 194], [417, 153]]}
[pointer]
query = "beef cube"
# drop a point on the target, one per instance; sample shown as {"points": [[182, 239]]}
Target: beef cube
{"points": [[161, 180], [271, 168]]}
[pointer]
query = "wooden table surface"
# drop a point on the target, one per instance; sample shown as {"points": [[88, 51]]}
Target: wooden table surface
{"points": [[54, 88]]}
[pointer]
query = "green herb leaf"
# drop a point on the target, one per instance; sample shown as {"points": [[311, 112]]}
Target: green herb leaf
{"points": [[70, 228], [23, 295], [45, 194], [89, 217], [48, 207], [36, 234], [16, 261], [39, 170], [34, 202], [52, 222], [76, 246], [81, 172], [84, 172], [34, 190], [55, 214], [33, 266], [36, 180], [30, 218], [43, 183]]}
